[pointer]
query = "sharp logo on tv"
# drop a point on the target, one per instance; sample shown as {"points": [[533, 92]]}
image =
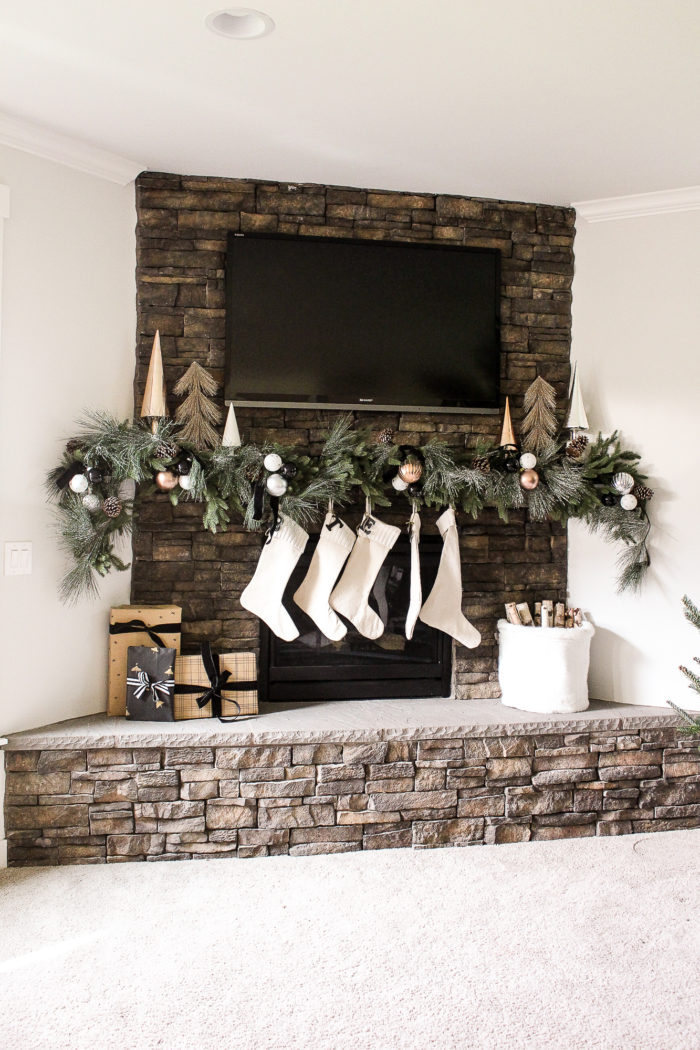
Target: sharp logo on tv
{"points": [[315, 322]]}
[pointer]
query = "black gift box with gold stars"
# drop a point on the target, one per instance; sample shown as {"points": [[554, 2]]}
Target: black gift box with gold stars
{"points": [[150, 683]]}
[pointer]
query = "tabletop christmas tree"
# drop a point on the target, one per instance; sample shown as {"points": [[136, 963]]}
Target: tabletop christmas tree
{"points": [[197, 414], [539, 426], [692, 724]]}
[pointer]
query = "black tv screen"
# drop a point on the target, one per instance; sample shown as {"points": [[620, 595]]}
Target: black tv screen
{"points": [[361, 325]]}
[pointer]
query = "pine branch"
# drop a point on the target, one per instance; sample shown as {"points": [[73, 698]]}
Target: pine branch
{"points": [[692, 613]]}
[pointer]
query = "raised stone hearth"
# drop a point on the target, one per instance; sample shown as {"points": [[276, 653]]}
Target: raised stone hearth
{"points": [[328, 778]]}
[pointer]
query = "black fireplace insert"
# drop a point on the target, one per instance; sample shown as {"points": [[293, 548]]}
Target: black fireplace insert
{"points": [[314, 668]]}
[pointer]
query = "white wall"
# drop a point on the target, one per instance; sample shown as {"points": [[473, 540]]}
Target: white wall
{"points": [[636, 337], [68, 329]]}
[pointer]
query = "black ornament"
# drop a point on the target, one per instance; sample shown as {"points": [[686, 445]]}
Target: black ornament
{"points": [[415, 489], [512, 465], [288, 470], [94, 475], [608, 500], [183, 466]]}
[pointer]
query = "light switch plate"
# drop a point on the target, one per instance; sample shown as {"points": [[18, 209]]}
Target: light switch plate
{"points": [[18, 558]]}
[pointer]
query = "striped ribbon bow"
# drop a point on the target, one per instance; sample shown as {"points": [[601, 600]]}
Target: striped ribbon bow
{"points": [[144, 684]]}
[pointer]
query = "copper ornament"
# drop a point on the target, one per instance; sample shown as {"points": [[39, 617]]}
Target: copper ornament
{"points": [[410, 471], [529, 479], [165, 480]]}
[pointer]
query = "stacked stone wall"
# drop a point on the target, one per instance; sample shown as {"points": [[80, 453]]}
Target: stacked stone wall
{"points": [[181, 243], [193, 802]]}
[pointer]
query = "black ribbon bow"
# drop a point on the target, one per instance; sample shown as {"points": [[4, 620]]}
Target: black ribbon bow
{"points": [[138, 626], [143, 683], [218, 681]]}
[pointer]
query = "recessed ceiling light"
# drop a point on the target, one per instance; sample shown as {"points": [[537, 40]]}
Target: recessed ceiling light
{"points": [[240, 23]]}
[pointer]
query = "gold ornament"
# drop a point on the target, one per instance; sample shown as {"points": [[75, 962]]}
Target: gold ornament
{"points": [[410, 471], [529, 479], [166, 480]]}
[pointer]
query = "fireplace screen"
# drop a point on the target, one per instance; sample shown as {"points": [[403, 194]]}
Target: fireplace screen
{"points": [[314, 668]]}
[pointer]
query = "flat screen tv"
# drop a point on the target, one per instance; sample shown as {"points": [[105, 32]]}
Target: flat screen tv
{"points": [[349, 324]]}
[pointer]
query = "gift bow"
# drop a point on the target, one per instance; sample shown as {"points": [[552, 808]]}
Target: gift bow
{"points": [[143, 684], [217, 680], [138, 626]]}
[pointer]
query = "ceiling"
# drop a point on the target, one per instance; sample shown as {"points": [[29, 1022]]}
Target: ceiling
{"points": [[538, 100]]}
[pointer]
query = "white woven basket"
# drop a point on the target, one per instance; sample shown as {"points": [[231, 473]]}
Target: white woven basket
{"points": [[544, 669]]}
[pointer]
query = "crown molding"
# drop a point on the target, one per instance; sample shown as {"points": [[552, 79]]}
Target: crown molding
{"points": [[63, 149], [637, 204]]}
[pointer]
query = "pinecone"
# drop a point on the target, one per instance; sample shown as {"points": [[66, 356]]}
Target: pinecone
{"points": [[482, 464], [642, 492], [385, 436], [577, 446], [72, 446], [112, 506], [166, 450]]}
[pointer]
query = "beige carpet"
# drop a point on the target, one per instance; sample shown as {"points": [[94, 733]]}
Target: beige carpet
{"points": [[582, 944]]}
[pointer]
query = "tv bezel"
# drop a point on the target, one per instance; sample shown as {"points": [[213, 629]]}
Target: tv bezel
{"points": [[359, 406]]}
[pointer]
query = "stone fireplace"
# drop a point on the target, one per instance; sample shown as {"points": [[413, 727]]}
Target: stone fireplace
{"points": [[181, 241]]}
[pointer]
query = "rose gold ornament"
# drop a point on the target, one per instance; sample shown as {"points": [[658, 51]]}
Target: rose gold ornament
{"points": [[410, 471], [529, 479], [166, 480]]}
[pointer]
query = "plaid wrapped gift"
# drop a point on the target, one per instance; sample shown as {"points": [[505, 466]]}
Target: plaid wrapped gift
{"points": [[210, 686], [150, 682]]}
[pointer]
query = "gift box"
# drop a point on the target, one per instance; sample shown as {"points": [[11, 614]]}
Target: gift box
{"points": [[150, 683], [137, 625], [211, 686]]}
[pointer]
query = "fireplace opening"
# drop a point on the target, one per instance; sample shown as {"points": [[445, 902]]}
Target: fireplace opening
{"points": [[314, 668]]}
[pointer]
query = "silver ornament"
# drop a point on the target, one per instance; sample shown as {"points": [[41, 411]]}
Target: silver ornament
{"points": [[185, 481], [628, 501], [528, 460], [399, 484], [272, 461], [78, 483], [276, 485], [91, 502], [623, 482]]}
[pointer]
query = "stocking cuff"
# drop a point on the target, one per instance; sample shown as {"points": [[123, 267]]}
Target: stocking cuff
{"points": [[446, 521], [379, 532], [340, 533], [291, 533]]}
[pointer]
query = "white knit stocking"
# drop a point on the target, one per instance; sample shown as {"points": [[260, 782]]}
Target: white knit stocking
{"points": [[349, 598], [416, 590], [263, 595], [334, 545], [443, 608]]}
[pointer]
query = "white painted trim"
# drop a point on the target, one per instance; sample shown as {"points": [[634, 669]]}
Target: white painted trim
{"points": [[638, 204], [52, 145]]}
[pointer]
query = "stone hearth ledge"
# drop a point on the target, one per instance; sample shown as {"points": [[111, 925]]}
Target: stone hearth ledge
{"points": [[350, 721]]}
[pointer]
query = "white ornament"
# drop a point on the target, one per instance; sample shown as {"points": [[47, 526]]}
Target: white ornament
{"points": [[628, 501], [79, 483], [276, 485], [399, 484], [92, 502], [272, 461], [185, 481], [623, 482], [528, 460]]}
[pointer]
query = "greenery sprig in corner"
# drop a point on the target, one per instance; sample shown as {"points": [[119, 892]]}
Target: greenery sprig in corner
{"points": [[224, 481], [691, 723]]}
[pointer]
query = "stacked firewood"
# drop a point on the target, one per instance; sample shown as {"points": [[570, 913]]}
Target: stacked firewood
{"points": [[547, 614]]}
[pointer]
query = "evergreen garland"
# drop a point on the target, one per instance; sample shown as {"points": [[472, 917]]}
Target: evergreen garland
{"points": [[222, 480]]}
